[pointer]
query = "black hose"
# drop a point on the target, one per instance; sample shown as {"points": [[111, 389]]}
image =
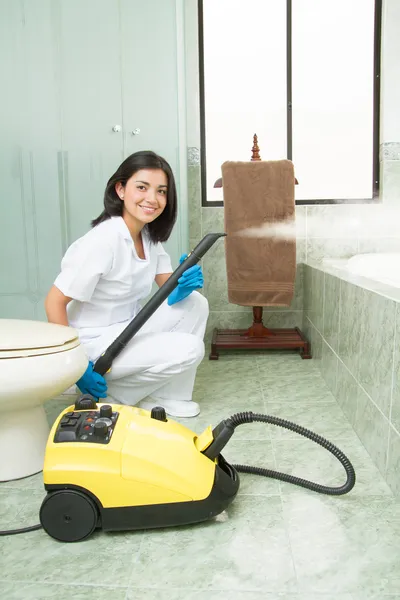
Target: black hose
{"points": [[23, 530], [249, 417]]}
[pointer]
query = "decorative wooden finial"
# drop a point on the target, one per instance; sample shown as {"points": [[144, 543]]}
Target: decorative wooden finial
{"points": [[255, 150]]}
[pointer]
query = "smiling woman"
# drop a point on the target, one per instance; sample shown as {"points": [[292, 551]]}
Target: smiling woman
{"points": [[145, 178], [107, 273]]}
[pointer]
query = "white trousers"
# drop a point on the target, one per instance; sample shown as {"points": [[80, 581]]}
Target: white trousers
{"points": [[161, 360]]}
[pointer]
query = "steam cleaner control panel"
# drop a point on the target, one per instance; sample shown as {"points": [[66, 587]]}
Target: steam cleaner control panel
{"points": [[88, 423], [95, 426]]}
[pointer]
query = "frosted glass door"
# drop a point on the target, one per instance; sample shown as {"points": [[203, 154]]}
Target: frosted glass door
{"points": [[150, 86], [30, 140], [90, 89], [57, 143]]}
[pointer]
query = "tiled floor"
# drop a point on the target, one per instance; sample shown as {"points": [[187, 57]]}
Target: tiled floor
{"points": [[275, 542]]}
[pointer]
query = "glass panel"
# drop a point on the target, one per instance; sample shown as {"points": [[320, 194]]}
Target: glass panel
{"points": [[90, 90], [29, 141], [245, 82], [333, 78], [150, 86]]}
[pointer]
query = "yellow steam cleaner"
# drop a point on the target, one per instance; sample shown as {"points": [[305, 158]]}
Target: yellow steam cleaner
{"points": [[118, 467]]}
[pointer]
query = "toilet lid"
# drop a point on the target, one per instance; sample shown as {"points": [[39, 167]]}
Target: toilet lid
{"points": [[20, 337]]}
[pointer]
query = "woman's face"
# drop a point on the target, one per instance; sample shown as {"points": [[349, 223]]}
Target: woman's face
{"points": [[144, 196]]}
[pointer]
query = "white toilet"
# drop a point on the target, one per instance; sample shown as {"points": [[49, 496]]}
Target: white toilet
{"points": [[38, 361]]}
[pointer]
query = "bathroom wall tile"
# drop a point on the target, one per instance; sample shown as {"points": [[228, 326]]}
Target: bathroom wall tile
{"points": [[194, 198], [315, 339], [301, 250], [307, 331], [373, 429], [331, 311], [379, 220], [333, 221], [390, 244], [212, 220], [283, 319], [317, 299], [376, 348], [329, 366], [307, 284], [320, 248], [347, 392], [350, 325], [301, 221], [393, 463], [391, 183], [307, 325]]}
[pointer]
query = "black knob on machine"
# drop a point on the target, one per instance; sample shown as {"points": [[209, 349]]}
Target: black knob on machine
{"points": [[158, 412], [85, 402], [100, 429], [106, 411]]}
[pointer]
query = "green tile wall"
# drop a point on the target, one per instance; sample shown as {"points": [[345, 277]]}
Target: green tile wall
{"points": [[354, 335]]}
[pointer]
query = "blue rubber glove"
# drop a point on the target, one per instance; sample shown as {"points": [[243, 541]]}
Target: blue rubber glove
{"points": [[192, 279], [92, 383]]}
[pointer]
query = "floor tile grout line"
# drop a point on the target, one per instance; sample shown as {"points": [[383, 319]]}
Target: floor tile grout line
{"points": [[287, 531], [279, 483], [396, 315], [134, 561], [65, 583]]}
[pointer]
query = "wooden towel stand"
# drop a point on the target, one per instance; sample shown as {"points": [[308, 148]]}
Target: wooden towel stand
{"points": [[258, 337]]}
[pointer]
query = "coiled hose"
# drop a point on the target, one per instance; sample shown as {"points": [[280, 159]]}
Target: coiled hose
{"points": [[250, 417]]}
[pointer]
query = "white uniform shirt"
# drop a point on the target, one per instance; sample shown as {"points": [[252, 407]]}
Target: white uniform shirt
{"points": [[106, 279]]}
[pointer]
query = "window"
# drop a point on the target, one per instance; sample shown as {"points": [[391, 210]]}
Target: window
{"points": [[304, 75]]}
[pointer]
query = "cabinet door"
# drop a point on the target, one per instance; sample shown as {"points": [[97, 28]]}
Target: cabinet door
{"points": [[30, 141], [90, 91], [150, 86]]}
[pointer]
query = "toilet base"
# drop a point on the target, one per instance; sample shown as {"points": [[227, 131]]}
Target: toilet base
{"points": [[23, 441]]}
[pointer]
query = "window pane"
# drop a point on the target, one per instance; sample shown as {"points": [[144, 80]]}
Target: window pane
{"points": [[244, 82], [333, 78]]}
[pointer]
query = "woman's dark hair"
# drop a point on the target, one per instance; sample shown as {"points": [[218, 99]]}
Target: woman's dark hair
{"points": [[159, 229]]}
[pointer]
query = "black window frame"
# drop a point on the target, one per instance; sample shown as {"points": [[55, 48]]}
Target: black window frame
{"points": [[376, 110]]}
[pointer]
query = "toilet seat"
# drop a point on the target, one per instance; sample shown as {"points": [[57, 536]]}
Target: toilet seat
{"points": [[21, 338]]}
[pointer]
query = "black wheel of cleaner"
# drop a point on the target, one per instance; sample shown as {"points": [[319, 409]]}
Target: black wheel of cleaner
{"points": [[68, 515]]}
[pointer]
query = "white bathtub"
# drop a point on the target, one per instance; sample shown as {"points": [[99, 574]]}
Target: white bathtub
{"points": [[383, 267]]}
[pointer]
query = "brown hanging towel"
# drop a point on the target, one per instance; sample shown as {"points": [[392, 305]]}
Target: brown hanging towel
{"points": [[261, 270]]}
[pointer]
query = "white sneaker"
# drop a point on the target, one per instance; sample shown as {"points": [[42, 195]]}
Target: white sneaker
{"points": [[173, 408]]}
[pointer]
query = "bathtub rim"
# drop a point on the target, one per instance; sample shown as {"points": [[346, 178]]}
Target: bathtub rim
{"points": [[336, 268]]}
